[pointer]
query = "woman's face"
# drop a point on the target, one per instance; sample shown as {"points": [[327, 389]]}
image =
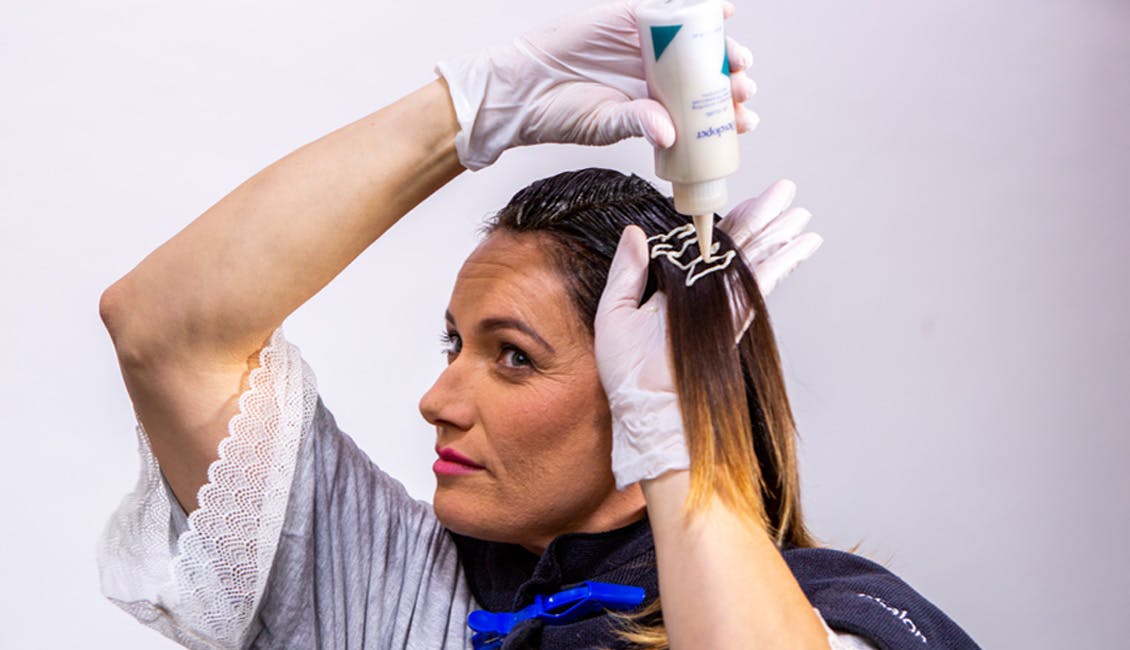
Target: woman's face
{"points": [[519, 412]]}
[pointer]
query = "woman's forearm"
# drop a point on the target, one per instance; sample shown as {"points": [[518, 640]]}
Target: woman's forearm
{"points": [[722, 581], [221, 285]]}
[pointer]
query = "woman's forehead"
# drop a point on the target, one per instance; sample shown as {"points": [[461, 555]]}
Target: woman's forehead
{"points": [[511, 272]]}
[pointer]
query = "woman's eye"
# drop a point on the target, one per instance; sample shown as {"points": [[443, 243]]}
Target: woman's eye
{"points": [[452, 344], [515, 357]]}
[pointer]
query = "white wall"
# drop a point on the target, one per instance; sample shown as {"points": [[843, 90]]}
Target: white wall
{"points": [[957, 352]]}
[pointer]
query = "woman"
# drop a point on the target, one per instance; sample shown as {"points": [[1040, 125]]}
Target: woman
{"points": [[563, 448]]}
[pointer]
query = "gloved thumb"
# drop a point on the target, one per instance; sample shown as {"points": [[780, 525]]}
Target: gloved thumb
{"points": [[647, 118], [627, 276]]}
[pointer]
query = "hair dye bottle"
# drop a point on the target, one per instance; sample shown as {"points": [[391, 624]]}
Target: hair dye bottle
{"points": [[687, 70]]}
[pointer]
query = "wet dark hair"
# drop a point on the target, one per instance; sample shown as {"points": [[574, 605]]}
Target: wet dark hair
{"points": [[583, 213], [740, 430]]}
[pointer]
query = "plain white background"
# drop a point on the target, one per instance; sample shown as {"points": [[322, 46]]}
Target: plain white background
{"points": [[957, 352]]}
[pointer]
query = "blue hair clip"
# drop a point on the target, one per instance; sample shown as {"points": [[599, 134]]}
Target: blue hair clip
{"points": [[560, 608]]}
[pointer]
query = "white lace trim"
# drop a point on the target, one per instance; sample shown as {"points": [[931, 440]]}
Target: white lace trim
{"points": [[202, 589]]}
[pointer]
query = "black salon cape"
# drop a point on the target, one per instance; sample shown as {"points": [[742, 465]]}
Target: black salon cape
{"points": [[853, 594]]}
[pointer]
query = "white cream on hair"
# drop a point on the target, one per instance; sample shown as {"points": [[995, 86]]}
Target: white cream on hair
{"points": [[674, 246]]}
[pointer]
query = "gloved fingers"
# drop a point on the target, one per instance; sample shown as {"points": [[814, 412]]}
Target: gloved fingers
{"points": [[781, 263], [745, 119], [742, 87], [643, 117], [740, 56], [627, 275], [782, 260], [780, 231], [600, 115], [750, 217], [728, 9]]}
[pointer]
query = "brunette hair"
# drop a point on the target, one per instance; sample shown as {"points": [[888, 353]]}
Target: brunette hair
{"points": [[740, 431]]}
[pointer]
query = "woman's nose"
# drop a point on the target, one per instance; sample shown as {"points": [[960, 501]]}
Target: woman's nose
{"points": [[447, 402]]}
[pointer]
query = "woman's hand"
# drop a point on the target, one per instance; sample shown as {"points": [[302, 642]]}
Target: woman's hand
{"points": [[578, 80], [723, 580], [771, 237], [631, 339]]}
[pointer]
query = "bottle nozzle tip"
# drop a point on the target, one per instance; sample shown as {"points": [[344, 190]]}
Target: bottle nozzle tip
{"points": [[704, 228]]}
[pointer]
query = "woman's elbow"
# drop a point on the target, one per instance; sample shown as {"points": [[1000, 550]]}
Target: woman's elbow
{"points": [[119, 316]]}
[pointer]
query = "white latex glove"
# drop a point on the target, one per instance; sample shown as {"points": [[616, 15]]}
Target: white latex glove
{"points": [[631, 339], [771, 237], [578, 80]]}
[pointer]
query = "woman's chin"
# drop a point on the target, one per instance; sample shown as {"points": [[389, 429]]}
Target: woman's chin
{"points": [[469, 516], [459, 514]]}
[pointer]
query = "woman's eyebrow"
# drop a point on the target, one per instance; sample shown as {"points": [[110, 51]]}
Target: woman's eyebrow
{"points": [[501, 322]]}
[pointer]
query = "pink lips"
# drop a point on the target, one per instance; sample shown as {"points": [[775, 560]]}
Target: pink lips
{"points": [[453, 463]]}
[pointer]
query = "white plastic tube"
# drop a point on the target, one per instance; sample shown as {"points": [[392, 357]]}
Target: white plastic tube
{"points": [[684, 53]]}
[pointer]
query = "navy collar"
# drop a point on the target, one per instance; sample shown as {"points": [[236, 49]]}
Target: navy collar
{"points": [[852, 593], [505, 577]]}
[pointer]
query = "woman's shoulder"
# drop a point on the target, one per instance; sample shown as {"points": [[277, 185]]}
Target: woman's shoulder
{"points": [[857, 595]]}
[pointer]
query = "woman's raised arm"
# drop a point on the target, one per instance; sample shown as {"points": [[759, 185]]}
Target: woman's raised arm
{"points": [[188, 321]]}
